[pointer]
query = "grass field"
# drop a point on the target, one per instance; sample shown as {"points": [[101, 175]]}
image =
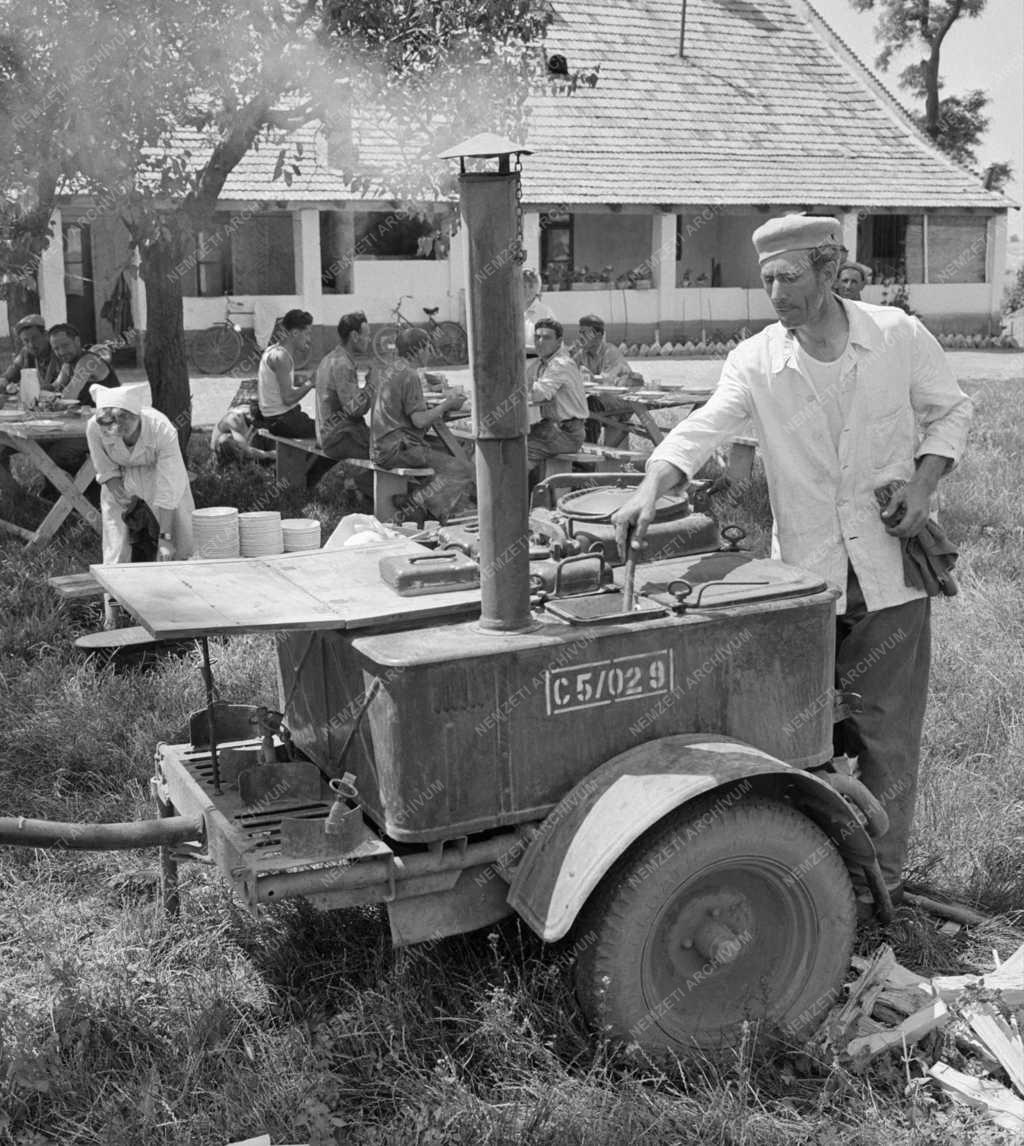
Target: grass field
{"points": [[121, 1028]]}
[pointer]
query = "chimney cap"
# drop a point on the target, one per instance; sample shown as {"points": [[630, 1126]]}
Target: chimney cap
{"points": [[486, 145]]}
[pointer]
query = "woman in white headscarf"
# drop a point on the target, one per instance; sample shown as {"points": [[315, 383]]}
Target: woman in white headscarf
{"points": [[135, 452]]}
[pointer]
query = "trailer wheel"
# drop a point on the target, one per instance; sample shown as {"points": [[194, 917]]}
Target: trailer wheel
{"points": [[722, 914]]}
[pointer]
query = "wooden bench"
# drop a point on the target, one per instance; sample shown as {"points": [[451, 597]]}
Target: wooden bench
{"points": [[295, 458], [564, 463], [389, 484], [613, 458], [76, 586]]}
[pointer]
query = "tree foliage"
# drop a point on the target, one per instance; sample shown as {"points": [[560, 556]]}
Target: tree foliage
{"points": [[147, 106], [955, 122]]}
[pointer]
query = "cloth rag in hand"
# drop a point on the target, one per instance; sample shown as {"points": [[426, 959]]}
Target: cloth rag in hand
{"points": [[143, 530], [928, 558]]}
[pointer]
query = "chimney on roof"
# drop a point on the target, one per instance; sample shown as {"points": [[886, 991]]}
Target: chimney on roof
{"points": [[682, 32]]}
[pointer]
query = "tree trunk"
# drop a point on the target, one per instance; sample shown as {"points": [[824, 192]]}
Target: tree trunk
{"points": [[164, 356]]}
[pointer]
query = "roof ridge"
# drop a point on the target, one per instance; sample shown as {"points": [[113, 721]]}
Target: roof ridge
{"points": [[892, 104]]}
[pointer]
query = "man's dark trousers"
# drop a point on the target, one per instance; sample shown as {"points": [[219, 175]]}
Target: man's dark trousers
{"points": [[885, 656]]}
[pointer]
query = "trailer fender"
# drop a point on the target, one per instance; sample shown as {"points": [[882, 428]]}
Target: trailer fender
{"points": [[605, 813]]}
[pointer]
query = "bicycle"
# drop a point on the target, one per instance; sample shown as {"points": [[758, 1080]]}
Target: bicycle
{"points": [[219, 347], [449, 342]]}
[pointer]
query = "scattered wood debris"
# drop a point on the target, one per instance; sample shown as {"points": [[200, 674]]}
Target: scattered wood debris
{"points": [[890, 1008]]}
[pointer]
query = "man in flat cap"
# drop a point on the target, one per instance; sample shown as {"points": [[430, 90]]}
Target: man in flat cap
{"points": [[35, 353], [853, 278], [846, 397]]}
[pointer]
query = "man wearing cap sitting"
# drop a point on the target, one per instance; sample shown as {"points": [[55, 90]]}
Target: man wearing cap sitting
{"points": [[554, 380], [35, 353], [136, 454], [845, 397], [602, 360], [853, 278]]}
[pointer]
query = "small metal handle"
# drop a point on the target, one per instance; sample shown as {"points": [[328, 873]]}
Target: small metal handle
{"points": [[733, 534], [599, 557], [440, 555]]}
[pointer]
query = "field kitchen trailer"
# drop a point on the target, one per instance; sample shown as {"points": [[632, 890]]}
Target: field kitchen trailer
{"points": [[632, 755]]}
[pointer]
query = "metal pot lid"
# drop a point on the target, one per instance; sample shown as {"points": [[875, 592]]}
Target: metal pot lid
{"points": [[598, 504]]}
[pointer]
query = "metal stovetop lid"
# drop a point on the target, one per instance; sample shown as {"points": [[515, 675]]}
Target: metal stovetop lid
{"points": [[599, 504]]}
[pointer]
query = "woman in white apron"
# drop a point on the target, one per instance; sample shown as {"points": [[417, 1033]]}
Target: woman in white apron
{"points": [[135, 452]]}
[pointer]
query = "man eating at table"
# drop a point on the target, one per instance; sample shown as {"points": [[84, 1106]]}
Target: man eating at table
{"points": [[79, 368], [607, 362], [35, 353], [398, 430], [554, 380]]}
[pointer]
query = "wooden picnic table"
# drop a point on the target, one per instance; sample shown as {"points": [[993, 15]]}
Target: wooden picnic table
{"points": [[643, 401], [25, 434]]}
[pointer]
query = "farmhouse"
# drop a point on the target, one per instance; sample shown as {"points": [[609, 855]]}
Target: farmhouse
{"points": [[706, 117]]}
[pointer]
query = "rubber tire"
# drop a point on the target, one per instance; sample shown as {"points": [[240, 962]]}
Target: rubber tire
{"points": [[215, 350], [451, 346], [384, 342], [676, 862]]}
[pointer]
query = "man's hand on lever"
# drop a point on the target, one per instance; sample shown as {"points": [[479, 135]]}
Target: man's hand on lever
{"points": [[633, 518]]}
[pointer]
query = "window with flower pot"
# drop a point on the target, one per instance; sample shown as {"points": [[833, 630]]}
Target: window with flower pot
{"points": [[556, 249]]}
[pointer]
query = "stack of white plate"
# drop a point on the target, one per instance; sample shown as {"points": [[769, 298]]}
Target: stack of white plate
{"points": [[300, 533], [215, 532], [259, 534]]}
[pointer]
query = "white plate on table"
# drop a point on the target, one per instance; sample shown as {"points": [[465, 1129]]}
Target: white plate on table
{"points": [[12, 415]]}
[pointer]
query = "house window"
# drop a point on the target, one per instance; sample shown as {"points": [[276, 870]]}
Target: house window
{"points": [[556, 248], [893, 247], [263, 255], [396, 234], [957, 248], [206, 271], [74, 260]]}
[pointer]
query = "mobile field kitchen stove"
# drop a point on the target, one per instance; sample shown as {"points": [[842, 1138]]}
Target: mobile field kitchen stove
{"points": [[621, 752]]}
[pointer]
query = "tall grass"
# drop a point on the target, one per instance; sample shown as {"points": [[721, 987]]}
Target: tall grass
{"points": [[122, 1028]]}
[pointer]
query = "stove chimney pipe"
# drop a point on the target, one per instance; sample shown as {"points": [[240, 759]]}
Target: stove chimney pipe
{"points": [[498, 356]]}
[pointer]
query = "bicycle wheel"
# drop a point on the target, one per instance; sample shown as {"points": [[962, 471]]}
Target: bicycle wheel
{"points": [[216, 349], [384, 342], [450, 343]]}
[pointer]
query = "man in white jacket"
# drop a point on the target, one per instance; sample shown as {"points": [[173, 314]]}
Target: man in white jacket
{"points": [[845, 398]]}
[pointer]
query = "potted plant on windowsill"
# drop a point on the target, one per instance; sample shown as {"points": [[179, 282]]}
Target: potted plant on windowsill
{"points": [[556, 277], [642, 278]]}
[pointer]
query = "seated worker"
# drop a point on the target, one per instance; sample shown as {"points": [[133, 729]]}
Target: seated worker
{"points": [[554, 379], [603, 359], [278, 393], [234, 437], [853, 278], [533, 309], [35, 353], [79, 368], [340, 403], [136, 454], [399, 424]]}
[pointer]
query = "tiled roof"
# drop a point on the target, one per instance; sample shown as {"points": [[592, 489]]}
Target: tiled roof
{"points": [[760, 110], [767, 106]]}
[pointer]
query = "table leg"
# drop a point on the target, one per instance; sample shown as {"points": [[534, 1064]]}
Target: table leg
{"points": [[452, 444], [72, 496], [646, 419]]}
